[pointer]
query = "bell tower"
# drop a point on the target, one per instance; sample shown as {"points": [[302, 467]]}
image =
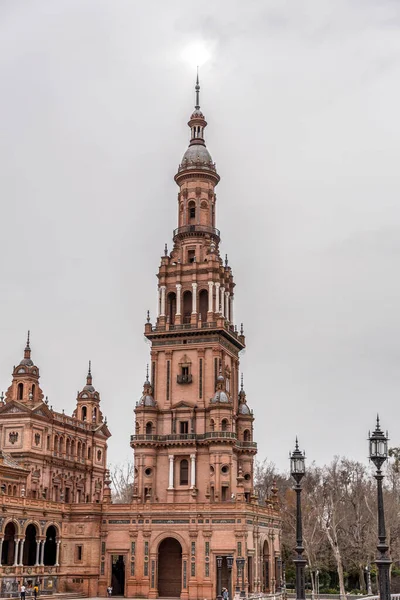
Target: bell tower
{"points": [[193, 433]]}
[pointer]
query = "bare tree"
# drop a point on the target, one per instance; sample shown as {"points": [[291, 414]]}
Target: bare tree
{"points": [[122, 479]]}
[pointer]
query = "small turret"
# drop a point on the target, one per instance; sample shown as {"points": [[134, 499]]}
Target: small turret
{"points": [[88, 402], [25, 383]]}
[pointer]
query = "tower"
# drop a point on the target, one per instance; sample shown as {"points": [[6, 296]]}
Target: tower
{"points": [[25, 380], [191, 422]]}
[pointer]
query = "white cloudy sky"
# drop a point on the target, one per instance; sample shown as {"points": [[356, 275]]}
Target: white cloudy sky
{"points": [[302, 100]]}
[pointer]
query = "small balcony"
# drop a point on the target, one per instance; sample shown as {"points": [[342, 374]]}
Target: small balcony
{"points": [[184, 378]]}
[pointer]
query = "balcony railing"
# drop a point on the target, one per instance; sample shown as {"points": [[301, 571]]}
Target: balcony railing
{"points": [[184, 378], [197, 229], [181, 437]]}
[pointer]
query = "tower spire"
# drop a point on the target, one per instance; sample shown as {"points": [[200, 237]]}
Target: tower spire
{"points": [[197, 88], [89, 375], [27, 352]]}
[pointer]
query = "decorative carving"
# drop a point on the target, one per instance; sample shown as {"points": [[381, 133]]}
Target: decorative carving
{"points": [[13, 436], [37, 439]]}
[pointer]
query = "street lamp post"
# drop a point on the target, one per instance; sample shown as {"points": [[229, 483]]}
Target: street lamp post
{"points": [[378, 453], [297, 471], [219, 577], [229, 562], [240, 567], [368, 575]]}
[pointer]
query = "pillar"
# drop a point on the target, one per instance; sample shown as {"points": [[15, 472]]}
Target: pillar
{"points": [[58, 555], [16, 551], [178, 298], [38, 542], [1, 549], [227, 306], [217, 298], [210, 296], [192, 471], [21, 552], [43, 542], [162, 307], [194, 298], [223, 301], [171, 472]]}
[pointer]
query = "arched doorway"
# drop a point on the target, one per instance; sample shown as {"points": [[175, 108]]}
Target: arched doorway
{"points": [[7, 555], [265, 555], [169, 568], [203, 305], [29, 557], [50, 546]]}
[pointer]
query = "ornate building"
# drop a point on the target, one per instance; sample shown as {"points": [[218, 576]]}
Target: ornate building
{"points": [[193, 512]]}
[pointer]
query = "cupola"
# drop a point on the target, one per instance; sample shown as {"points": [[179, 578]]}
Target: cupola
{"points": [[88, 402], [25, 383]]}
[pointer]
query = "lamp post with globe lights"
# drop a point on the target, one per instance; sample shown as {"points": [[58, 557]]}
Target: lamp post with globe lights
{"points": [[297, 471], [378, 453]]}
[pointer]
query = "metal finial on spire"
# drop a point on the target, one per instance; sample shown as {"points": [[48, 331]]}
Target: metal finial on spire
{"points": [[197, 88], [378, 427], [241, 329], [28, 339], [147, 373], [226, 260], [297, 443], [165, 250], [148, 316], [241, 382], [90, 369]]}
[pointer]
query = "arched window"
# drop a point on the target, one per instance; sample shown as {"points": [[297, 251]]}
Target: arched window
{"points": [[89, 452], [171, 307], [191, 211], [56, 443], [9, 490], [79, 450], [149, 428], [94, 415], [50, 546], [187, 306], [7, 554], [246, 435], [14, 490], [212, 425], [20, 393], [84, 413], [203, 305], [184, 472], [61, 445], [29, 556], [67, 447], [73, 449], [224, 425], [33, 390]]}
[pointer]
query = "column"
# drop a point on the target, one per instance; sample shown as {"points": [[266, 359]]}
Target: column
{"points": [[217, 298], [192, 471], [16, 552], [1, 549], [21, 552], [231, 309], [162, 308], [159, 303], [58, 555], [210, 296], [171, 472], [178, 298], [223, 301], [227, 306], [43, 542], [194, 298], [38, 542]]}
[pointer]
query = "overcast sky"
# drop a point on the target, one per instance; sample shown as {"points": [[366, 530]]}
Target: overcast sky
{"points": [[302, 99]]}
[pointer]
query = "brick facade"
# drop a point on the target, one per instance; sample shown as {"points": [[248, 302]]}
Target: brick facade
{"points": [[193, 511]]}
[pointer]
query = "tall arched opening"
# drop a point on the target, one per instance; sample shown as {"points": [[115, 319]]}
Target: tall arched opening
{"points": [[7, 554], [265, 555], [50, 546], [203, 305], [187, 306], [171, 307], [29, 557], [169, 568]]}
